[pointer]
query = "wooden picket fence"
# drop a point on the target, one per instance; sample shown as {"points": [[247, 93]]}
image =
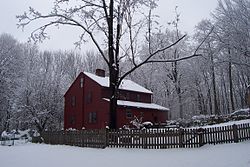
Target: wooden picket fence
{"points": [[83, 138], [150, 138]]}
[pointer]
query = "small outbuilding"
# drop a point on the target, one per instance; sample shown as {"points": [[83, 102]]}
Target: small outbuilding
{"points": [[87, 103]]}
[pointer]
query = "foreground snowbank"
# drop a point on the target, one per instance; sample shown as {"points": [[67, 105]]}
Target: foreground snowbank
{"points": [[41, 155]]}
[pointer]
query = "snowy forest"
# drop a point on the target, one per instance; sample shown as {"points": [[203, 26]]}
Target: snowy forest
{"points": [[33, 82]]}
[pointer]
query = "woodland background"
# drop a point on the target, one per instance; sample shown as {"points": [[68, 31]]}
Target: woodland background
{"points": [[33, 82]]}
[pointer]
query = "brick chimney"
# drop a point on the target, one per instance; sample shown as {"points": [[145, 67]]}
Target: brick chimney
{"points": [[100, 72]]}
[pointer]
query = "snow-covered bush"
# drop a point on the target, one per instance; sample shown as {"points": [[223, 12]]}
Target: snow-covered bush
{"points": [[147, 124], [202, 120], [137, 122], [5, 135], [71, 129], [19, 135], [241, 112]]}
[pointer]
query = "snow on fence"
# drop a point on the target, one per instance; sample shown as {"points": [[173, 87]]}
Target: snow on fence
{"points": [[150, 138]]}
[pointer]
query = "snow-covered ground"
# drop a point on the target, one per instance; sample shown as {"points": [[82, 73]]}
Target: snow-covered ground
{"points": [[41, 155]]}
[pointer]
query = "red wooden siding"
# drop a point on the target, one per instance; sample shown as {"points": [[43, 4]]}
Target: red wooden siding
{"points": [[94, 105], [154, 116], [73, 115]]}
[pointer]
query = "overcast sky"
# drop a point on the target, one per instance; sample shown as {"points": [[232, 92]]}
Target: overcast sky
{"points": [[192, 11]]}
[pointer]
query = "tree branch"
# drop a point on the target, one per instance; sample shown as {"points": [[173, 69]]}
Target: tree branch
{"points": [[171, 60], [174, 60], [196, 50], [149, 57], [72, 22]]}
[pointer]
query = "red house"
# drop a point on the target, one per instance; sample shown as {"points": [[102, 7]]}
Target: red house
{"points": [[87, 103]]}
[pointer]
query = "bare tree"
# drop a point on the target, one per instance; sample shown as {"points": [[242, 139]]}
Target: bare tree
{"points": [[10, 75], [114, 21], [232, 31]]}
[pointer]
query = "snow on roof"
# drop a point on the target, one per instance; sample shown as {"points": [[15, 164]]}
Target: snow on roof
{"points": [[140, 105], [125, 84]]}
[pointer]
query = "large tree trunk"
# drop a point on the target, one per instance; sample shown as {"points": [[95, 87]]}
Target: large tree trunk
{"points": [[176, 80], [240, 88], [7, 124], [180, 100], [230, 82], [224, 94], [201, 103], [208, 95], [113, 98], [216, 107], [113, 79]]}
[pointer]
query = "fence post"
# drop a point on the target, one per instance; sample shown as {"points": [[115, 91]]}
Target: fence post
{"points": [[181, 138], [144, 138], [235, 133], [106, 137], [200, 133]]}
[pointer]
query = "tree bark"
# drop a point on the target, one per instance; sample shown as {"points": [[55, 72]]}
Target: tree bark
{"points": [[180, 99], [113, 79], [216, 107], [230, 81], [209, 98]]}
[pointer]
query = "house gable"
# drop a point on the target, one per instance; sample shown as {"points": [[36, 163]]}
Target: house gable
{"points": [[73, 105], [74, 83]]}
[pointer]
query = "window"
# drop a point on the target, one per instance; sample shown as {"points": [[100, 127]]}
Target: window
{"points": [[81, 82], [127, 96], [129, 114], [73, 101], [72, 120], [92, 117], [89, 97], [138, 97]]}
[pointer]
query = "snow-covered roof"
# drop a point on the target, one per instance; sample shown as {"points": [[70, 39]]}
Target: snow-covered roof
{"points": [[140, 105], [125, 85]]}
